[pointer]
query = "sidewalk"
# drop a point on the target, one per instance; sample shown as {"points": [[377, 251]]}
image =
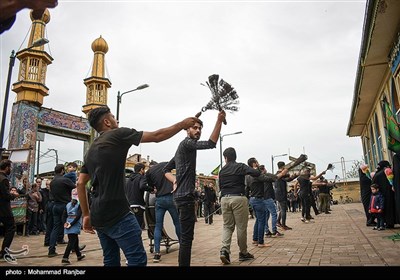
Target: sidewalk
{"points": [[339, 239]]}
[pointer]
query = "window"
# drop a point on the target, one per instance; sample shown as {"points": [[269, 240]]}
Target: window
{"points": [[33, 70]]}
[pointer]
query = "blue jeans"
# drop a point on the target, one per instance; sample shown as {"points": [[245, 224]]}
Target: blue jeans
{"points": [[127, 235], [165, 203], [187, 219], [270, 208], [259, 225]]}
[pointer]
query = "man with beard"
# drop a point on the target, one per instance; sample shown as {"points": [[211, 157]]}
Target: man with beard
{"points": [[184, 162]]}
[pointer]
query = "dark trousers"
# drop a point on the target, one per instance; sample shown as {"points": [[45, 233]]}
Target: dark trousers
{"points": [[32, 217], [73, 243], [305, 206], [58, 224], [209, 209], [9, 231], [282, 207], [187, 220], [314, 205], [50, 224]]}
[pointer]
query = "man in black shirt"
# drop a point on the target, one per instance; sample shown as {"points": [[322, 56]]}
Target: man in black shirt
{"points": [[135, 187], [234, 205], [6, 216], [281, 196], [104, 166], [184, 162], [60, 189], [305, 192]]}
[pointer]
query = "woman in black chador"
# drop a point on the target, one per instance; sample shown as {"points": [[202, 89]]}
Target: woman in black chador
{"points": [[387, 192], [365, 189]]}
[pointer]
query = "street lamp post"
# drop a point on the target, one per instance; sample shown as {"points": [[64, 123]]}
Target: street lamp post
{"points": [[37, 43], [272, 160], [221, 137], [119, 96]]}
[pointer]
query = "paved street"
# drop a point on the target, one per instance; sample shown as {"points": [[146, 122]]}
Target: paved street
{"points": [[339, 239]]}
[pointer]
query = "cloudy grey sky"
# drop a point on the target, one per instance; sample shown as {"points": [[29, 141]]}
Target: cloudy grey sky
{"points": [[293, 64]]}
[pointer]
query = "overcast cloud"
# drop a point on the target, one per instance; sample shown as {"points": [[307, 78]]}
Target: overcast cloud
{"points": [[292, 63]]}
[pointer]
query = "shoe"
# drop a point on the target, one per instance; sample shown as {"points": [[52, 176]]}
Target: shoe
{"points": [[375, 228], [81, 248], [245, 257], [62, 242], [46, 244], [279, 225], [307, 221], [255, 242], [303, 220], [268, 234], [263, 245], [317, 213], [81, 257], [65, 261], [224, 256], [381, 228], [277, 234], [157, 258], [52, 254], [327, 212], [287, 228]]}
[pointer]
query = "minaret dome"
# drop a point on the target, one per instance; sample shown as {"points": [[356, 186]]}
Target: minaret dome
{"points": [[38, 15], [100, 45]]}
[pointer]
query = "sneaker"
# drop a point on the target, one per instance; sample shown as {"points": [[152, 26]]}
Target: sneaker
{"points": [[52, 254], [245, 257], [81, 257], [277, 234], [307, 221], [375, 228], [157, 258], [224, 256], [65, 261], [303, 220], [268, 234]]}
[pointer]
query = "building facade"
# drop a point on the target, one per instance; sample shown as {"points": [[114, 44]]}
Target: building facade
{"points": [[377, 84]]}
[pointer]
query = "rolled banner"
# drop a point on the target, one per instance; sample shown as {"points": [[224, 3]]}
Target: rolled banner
{"points": [[389, 175], [365, 169], [302, 158]]}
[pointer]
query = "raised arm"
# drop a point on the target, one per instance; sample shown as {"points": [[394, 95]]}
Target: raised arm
{"points": [[167, 132], [217, 128]]}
